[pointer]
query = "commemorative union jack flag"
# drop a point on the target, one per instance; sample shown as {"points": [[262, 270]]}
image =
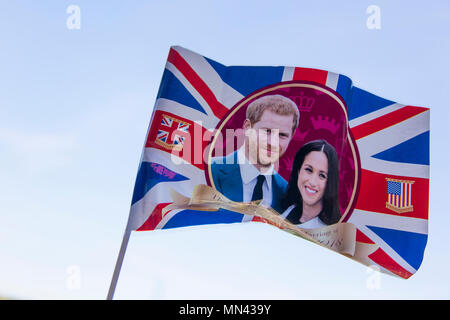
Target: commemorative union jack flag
{"points": [[391, 211]]}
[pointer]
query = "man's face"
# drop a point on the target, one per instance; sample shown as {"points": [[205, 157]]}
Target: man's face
{"points": [[268, 138]]}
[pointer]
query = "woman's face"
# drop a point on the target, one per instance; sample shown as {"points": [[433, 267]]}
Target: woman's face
{"points": [[312, 178]]}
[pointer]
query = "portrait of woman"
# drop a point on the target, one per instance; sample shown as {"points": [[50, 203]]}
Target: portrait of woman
{"points": [[311, 199]]}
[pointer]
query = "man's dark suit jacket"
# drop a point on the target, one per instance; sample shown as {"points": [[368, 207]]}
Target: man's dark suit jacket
{"points": [[228, 180]]}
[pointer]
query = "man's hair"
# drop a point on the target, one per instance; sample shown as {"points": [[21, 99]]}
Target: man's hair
{"points": [[275, 103]]}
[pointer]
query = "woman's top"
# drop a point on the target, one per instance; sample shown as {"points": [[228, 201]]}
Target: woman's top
{"points": [[310, 224]]}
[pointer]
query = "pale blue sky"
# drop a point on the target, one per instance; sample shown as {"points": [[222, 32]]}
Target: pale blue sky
{"points": [[74, 110]]}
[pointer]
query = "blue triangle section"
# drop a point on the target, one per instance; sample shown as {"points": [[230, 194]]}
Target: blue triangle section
{"points": [[172, 89], [363, 102], [149, 175], [415, 150], [247, 79], [409, 245], [344, 88], [194, 218]]}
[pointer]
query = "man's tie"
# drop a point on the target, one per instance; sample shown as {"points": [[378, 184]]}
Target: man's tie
{"points": [[257, 192]]}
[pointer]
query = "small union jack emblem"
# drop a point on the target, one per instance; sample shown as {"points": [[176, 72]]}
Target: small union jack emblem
{"points": [[399, 195], [166, 137]]}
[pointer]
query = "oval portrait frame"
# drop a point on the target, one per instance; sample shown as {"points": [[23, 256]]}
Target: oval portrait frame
{"points": [[298, 84]]}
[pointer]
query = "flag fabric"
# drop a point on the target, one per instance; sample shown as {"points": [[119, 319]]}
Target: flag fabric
{"points": [[384, 159]]}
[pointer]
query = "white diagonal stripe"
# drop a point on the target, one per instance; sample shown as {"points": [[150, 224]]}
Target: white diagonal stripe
{"points": [[332, 80], [167, 105], [395, 168], [386, 248], [167, 218], [394, 135], [225, 94], [190, 88], [141, 210], [362, 217], [375, 114], [288, 74], [176, 164]]}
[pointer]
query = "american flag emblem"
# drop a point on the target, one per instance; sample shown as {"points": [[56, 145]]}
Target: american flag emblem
{"points": [[399, 195], [170, 133]]}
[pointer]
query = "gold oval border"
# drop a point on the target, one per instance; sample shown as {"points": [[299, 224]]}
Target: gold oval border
{"points": [[303, 85]]}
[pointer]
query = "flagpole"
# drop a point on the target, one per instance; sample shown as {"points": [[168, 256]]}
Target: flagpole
{"points": [[115, 277], [126, 236]]}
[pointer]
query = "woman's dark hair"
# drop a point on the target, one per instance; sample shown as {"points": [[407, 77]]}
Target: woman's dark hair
{"points": [[331, 212]]}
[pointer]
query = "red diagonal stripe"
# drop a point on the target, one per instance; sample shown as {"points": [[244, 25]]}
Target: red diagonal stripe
{"points": [[154, 218], [386, 121], [177, 60], [380, 257], [361, 237]]}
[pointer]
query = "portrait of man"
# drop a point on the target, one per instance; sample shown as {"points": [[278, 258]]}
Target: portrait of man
{"points": [[248, 174]]}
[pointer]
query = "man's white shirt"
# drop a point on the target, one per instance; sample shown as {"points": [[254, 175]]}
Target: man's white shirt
{"points": [[249, 174]]}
